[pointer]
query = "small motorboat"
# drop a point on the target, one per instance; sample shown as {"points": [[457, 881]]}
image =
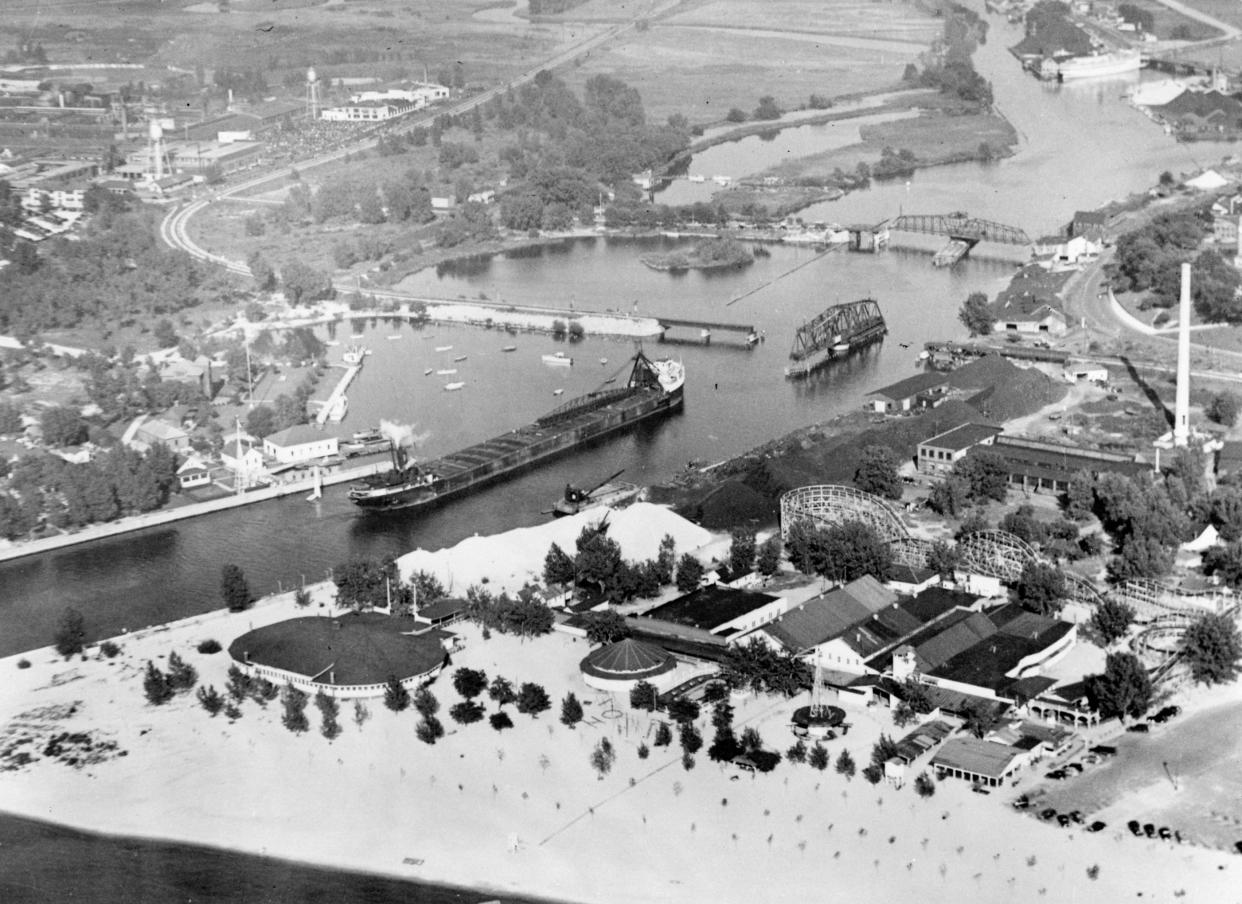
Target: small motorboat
{"points": [[560, 359], [460, 358], [509, 348], [446, 372], [557, 391], [395, 336], [428, 372], [603, 360], [357, 336], [444, 348], [453, 387]]}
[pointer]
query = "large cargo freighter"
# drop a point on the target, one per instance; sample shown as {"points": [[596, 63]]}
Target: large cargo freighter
{"points": [[653, 389]]}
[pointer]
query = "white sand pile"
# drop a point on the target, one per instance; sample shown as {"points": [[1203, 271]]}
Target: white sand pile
{"points": [[508, 561]]}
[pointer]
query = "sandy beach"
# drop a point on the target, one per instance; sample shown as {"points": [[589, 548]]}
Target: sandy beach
{"points": [[523, 810]]}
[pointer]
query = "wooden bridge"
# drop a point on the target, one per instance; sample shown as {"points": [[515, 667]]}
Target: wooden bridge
{"points": [[836, 332]]}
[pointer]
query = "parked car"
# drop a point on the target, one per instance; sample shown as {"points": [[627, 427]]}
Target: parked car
{"points": [[1141, 727], [1048, 814], [1135, 827], [1076, 815], [1104, 750], [1063, 819], [1022, 803], [1165, 833], [1077, 767], [1056, 774], [1149, 829], [1166, 714], [979, 789], [1097, 826]]}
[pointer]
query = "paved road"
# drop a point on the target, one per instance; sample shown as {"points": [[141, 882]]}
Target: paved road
{"points": [[174, 230]]}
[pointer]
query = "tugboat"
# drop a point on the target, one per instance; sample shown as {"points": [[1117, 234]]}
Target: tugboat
{"points": [[605, 492], [654, 389]]}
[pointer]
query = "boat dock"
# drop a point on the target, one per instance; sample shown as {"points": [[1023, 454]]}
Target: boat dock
{"points": [[338, 392], [963, 350]]}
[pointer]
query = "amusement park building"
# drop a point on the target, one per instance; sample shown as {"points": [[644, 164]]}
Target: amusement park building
{"points": [[1036, 465]]}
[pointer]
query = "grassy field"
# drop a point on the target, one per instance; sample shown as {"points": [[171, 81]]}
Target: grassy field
{"points": [[1166, 20], [708, 57]]}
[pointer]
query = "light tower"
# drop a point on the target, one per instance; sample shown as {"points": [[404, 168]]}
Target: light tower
{"points": [[312, 94]]}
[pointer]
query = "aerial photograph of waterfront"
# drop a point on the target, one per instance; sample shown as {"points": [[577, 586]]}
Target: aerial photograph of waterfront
{"points": [[620, 451]]}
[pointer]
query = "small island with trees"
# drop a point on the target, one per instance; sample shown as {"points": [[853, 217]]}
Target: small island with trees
{"points": [[714, 254]]}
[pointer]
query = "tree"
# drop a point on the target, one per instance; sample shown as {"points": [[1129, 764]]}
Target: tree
{"points": [[1225, 562], [735, 114], [466, 712], [689, 573], [234, 590], [329, 713], [501, 690], [1124, 689], [768, 108], [532, 699], [1223, 408], [818, 757], [429, 729], [62, 426], [663, 736], [741, 551], [643, 696], [682, 710], [303, 282], [847, 551], [294, 703], [904, 715], [770, 556], [605, 627], [181, 675], [1041, 588], [558, 567], [155, 685], [797, 752], [943, 558], [1112, 619], [877, 472], [976, 315], [845, 764], [979, 718], [470, 682], [1080, 496], [1212, 647], [396, 697], [924, 785], [666, 559], [500, 721], [950, 496], [882, 751], [724, 746], [210, 699], [689, 738], [602, 757], [986, 475], [70, 636], [571, 710]]}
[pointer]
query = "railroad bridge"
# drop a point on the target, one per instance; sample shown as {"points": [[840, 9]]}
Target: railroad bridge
{"points": [[837, 331], [962, 230]]}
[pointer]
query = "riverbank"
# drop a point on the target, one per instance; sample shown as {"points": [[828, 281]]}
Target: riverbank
{"points": [[19, 549]]}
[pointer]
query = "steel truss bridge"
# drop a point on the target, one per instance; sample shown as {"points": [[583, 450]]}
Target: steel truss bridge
{"points": [[1165, 611], [840, 323], [960, 227]]}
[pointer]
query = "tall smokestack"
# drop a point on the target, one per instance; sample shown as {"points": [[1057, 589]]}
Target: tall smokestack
{"points": [[1181, 412]]}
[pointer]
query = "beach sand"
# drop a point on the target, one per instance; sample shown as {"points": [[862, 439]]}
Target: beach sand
{"points": [[524, 811]]}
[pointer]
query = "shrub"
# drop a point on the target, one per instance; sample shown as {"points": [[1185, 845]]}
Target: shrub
{"points": [[797, 753], [209, 646], [690, 738], [231, 711], [181, 675], [429, 730], [687, 762], [571, 710], [500, 721], [873, 773], [155, 686], [643, 751], [663, 735], [501, 690], [466, 712], [845, 764], [602, 757], [109, 649], [818, 757], [643, 696], [683, 710], [396, 697], [70, 636], [532, 699], [294, 703], [470, 682], [924, 785], [23, 663], [211, 699]]}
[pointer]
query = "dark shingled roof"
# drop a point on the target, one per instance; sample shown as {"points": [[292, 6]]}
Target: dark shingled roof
{"points": [[628, 660], [911, 386], [824, 617], [962, 437], [358, 649], [709, 607]]}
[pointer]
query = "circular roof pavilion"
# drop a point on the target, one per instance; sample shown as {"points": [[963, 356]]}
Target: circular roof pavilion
{"points": [[353, 651], [621, 665]]}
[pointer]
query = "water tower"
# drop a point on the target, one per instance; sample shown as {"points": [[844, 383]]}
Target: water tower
{"points": [[312, 94]]}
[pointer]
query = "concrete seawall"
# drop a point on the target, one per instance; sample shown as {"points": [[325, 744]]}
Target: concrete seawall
{"points": [[182, 512]]}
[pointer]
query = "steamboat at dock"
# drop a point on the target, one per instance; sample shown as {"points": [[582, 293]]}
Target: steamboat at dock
{"points": [[654, 389]]}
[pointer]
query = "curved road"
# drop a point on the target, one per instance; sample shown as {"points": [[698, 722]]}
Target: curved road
{"points": [[174, 229]]}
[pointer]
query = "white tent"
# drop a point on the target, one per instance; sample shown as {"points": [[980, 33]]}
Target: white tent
{"points": [[1207, 181], [1205, 540]]}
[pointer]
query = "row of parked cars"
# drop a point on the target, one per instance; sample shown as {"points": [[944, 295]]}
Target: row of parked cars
{"points": [[1149, 830], [1164, 715]]}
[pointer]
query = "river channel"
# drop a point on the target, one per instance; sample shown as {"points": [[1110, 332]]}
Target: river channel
{"points": [[1081, 147]]}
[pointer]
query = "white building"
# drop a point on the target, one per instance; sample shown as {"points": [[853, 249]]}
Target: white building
{"points": [[300, 443]]}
